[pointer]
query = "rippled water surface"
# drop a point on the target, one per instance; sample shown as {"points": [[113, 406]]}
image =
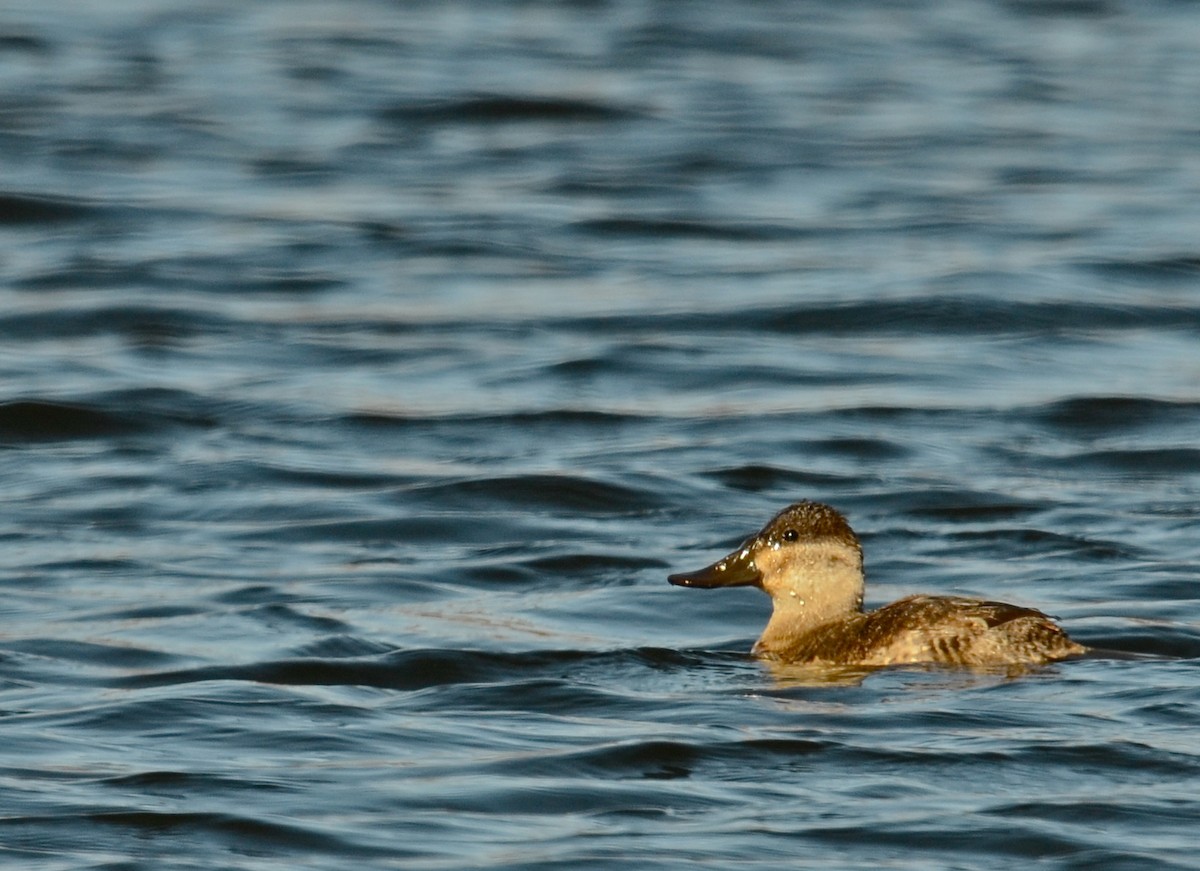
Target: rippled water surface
{"points": [[366, 367]]}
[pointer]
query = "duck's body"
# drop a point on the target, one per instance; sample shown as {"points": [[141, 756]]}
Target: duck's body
{"points": [[809, 561], [928, 629]]}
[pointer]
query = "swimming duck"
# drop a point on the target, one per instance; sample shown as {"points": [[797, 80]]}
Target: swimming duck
{"points": [[809, 561]]}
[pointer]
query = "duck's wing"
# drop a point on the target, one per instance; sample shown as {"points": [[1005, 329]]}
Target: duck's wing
{"points": [[916, 612], [964, 631]]}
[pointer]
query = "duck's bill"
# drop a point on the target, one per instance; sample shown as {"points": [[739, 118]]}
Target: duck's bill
{"points": [[736, 570]]}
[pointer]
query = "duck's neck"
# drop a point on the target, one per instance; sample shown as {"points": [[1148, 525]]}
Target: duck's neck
{"points": [[808, 587]]}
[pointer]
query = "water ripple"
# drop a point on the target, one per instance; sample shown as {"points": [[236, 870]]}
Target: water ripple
{"points": [[364, 376]]}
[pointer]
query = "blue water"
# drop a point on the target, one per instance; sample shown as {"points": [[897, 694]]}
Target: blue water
{"points": [[366, 367]]}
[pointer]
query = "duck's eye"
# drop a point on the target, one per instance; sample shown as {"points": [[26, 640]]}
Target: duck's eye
{"points": [[790, 535]]}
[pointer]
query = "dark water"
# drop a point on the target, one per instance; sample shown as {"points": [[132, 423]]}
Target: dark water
{"points": [[367, 366]]}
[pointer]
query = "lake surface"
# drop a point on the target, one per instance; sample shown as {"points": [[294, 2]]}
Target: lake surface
{"points": [[366, 367]]}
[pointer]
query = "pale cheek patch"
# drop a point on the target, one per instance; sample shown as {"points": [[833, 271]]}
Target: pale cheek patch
{"points": [[776, 568]]}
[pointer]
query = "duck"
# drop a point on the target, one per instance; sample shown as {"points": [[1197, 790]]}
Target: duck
{"points": [[810, 562]]}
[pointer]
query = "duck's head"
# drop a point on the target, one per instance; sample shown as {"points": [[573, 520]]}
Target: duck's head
{"points": [[806, 556]]}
